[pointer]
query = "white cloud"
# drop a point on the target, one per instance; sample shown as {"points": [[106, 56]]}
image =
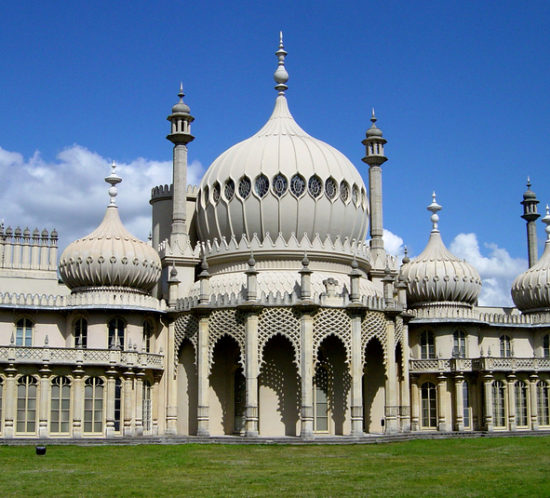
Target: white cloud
{"points": [[69, 194], [393, 244], [497, 270]]}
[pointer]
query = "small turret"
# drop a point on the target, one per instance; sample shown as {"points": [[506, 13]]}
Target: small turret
{"points": [[531, 215]]}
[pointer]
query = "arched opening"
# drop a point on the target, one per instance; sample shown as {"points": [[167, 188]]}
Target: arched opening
{"points": [[279, 390], [331, 388], [225, 377], [374, 380], [187, 389]]}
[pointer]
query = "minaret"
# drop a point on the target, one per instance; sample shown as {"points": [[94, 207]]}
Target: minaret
{"points": [[180, 136], [374, 145], [531, 215]]}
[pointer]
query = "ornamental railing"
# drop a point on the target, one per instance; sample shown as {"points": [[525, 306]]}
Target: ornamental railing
{"points": [[490, 364], [112, 358]]}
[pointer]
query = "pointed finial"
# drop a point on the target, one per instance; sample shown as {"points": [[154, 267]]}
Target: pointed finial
{"points": [[406, 258], [528, 182], [434, 207], [281, 76], [373, 117], [113, 179], [546, 221], [180, 93], [251, 261]]}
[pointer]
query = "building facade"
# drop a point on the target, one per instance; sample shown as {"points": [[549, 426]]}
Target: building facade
{"points": [[260, 308]]}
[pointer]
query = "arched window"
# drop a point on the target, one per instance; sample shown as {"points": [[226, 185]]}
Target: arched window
{"points": [[459, 341], [546, 346], [466, 405], [81, 333], [27, 388], [320, 400], [23, 336], [93, 405], [505, 346], [542, 397], [118, 404], [147, 406], [147, 335], [499, 412], [521, 403], [427, 345], [116, 333], [60, 411], [429, 405]]}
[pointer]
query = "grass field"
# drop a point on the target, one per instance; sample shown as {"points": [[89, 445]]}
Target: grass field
{"points": [[452, 467]]}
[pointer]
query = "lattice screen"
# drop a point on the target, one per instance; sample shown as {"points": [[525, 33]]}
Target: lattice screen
{"points": [[332, 321], [279, 321], [228, 322], [186, 327], [373, 325]]}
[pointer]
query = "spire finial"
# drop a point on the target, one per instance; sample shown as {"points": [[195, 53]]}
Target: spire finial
{"points": [[180, 93], [528, 182], [281, 76], [434, 207], [546, 221], [373, 117], [113, 179]]}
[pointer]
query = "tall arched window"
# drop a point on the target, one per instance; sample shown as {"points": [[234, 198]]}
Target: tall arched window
{"points": [[459, 340], [23, 335], [60, 411], [147, 335], [499, 410], [546, 346], [542, 397], [27, 388], [505, 346], [93, 405], [429, 405], [118, 404], [320, 400], [427, 345], [521, 403], [466, 405], [81, 333], [147, 406], [116, 333]]}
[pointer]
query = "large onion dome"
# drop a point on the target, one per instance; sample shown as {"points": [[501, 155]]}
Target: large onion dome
{"points": [[437, 276], [282, 180], [531, 289], [110, 255]]}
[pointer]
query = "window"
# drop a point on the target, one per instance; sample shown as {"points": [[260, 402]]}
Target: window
{"points": [[331, 188], [315, 186], [244, 187], [297, 185], [429, 407], [229, 189], [280, 185], [27, 388], [499, 413], [118, 403], [355, 195], [116, 333], [147, 412], [261, 185], [216, 192], [542, 398], [147, 335], [23, 335], [81, 333], [427, 345], [505, 347], [60, 405], [93, 405], [459, 349], [521, 403], [546, 346], [344, 191], [320, 400], [466, 405]]}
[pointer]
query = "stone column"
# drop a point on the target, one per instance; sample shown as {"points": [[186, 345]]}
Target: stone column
{"points": [[10, 402], [511, 381], [488, 386], [251, 375], [533, 378], [171, 384], [44, 398], [459, 401], [179, 230], [356, 378], [155, 402], [110, 404], [139, 403], [78, 401], [415, 405], [203, 428], [128, 429], [306, 333], [405, 388], [442, 424], [392, 407]]}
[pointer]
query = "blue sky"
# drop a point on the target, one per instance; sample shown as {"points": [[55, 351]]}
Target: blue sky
{"points": [[460, 90]]}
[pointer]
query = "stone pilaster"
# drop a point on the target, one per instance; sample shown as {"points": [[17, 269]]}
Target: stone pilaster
{"points": [[306, 374], [392, 407], [251, 375], [459, 401], [10, 401], [488, 386], [442, 424], [511, 381], [44, 399], [110, 404], [171, 383], [155, 401], [415, 405], [405, 409], [203, 425], [356, 378], [139, 403], [78, 401], [128, 429], [533, 378]]}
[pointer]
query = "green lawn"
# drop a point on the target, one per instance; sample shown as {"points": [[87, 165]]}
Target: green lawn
{"points": [[452, 467]]}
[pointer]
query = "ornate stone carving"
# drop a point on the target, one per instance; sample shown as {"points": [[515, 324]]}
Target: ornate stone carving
{"points": [[332, 321], [279, 321]]}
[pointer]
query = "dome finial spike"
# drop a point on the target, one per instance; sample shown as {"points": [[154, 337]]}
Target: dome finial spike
{"points": [[113, 179], [180, 93], [373, 116], [281, 76], [434, 207], [546, 221]]}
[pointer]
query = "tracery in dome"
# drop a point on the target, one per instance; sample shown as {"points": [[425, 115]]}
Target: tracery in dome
{"points": [[261, 185], [315, 186], [363, 198], [344, 191], [280, 185], [205, 197], [244, 187], [216, 192], [297, 185], [355, 195], [331, 188], [229, 189]]}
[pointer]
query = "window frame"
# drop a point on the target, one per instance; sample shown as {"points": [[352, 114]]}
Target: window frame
{"points": [[65, 382], [27, 381], [427, 345], [26, 338]]}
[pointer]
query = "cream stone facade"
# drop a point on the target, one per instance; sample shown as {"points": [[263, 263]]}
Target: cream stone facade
{"points": [[259, 308]]}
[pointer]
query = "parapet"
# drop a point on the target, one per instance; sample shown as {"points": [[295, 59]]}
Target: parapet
{"points": [[19, 249], [163, 192]]}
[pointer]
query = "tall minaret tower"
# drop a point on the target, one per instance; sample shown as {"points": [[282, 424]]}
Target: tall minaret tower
{"points": [[180, 136], [531, 215], [374, 145]]}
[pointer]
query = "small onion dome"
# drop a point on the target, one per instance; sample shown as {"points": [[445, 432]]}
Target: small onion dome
{"points": [[437, 276], [531, 289], [374, 131], [181, 107], [110, 255]]}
